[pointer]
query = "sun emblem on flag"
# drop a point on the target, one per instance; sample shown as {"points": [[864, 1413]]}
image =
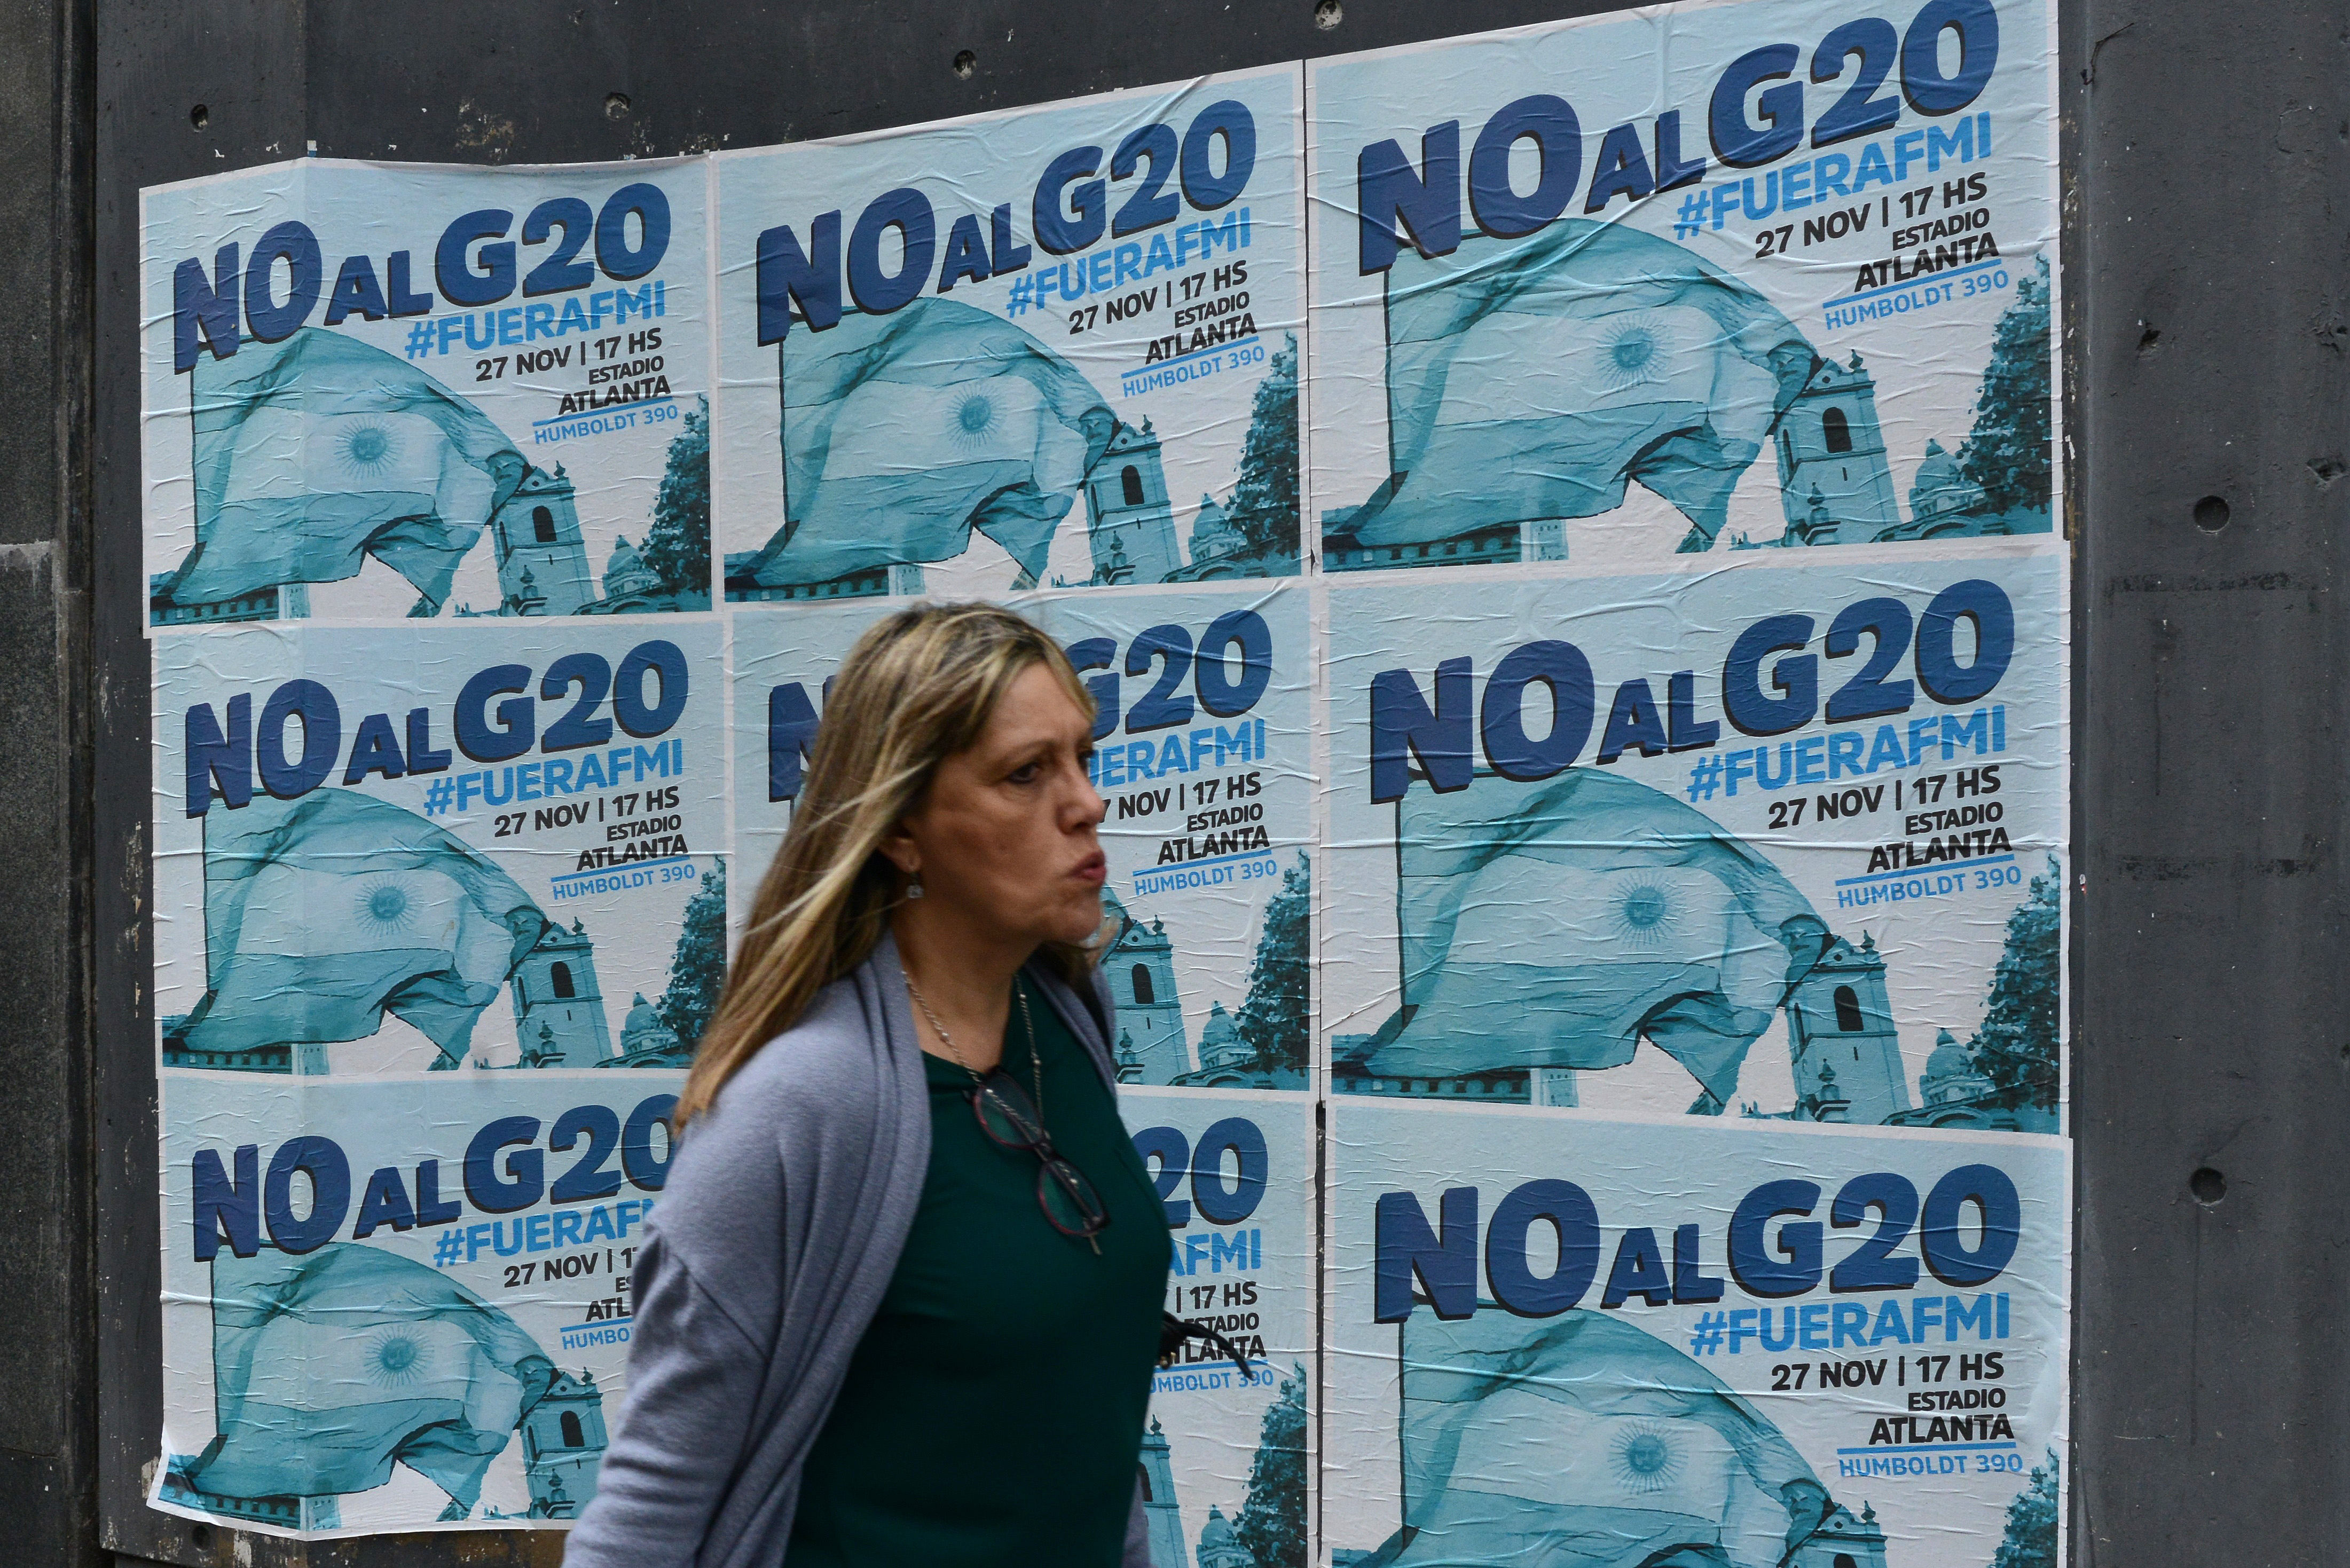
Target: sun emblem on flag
{"points": [[1644, 1460], [1634, 357], [366, 449], [396, 1358], [1644, 914], [385, 905], [975, 421]]}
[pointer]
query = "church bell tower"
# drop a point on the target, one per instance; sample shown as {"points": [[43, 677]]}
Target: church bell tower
{"points": [[1161, 1514], [537, 536], [562, 1443], [1847, 1053], [1129, 519], [558, 1008], [1835, 485], [1140, 969]]}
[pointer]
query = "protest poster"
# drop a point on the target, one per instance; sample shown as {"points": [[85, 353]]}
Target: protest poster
{"points": [[1772, 842], [1643, 1341], [1571, 281], [934, 340], [371, 390], [1227, 1459], [429, 1327], [1202, 702], [388, 850]]}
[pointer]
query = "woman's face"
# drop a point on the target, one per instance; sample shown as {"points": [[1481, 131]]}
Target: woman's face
{"points": [[1006, 831]]}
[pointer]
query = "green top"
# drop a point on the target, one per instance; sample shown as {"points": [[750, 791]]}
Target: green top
{"points": [[992, 1413]]}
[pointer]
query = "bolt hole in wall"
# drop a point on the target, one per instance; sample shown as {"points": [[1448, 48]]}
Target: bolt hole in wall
{"points": [[2211, 514], [965, 62], [615, 105], [2207, 1186], [201, 1537], [199, 117], [1328, 14]]}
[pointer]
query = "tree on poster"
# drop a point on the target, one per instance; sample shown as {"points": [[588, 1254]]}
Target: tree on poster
{"points": [[678, 547], [2016, 1047], [2031, 1538], [1273, 1021], [697, 972], [1265, 501], [2008, 452], [1271, 1522]]}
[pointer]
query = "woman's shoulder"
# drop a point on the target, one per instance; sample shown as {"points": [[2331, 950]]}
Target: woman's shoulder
{"points": [[824, 1068], [809, 1099]]}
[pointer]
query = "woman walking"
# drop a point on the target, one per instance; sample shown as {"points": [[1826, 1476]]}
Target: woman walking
{"points": [[902, 1298]]}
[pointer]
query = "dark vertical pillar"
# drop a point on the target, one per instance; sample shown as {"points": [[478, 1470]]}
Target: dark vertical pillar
{"points": [[47, 1431], [2210, 304], [183, 90]]}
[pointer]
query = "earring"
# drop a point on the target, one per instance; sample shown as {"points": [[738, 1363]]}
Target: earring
{"points": [[914, 885]]}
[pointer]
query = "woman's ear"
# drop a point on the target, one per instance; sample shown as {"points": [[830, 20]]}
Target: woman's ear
{"points": [[898, 848]]}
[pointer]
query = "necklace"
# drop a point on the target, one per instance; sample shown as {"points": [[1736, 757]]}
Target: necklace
{"points": [[1028, 1022], [1069, 1203]]}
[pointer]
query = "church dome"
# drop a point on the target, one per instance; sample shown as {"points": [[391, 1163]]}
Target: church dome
{"points": [[645, 1032], [1221, 1045], [1220, 1546], [625, 573], [1212, 533], [1936, 468], [1950, 1059], [1939, 486]]}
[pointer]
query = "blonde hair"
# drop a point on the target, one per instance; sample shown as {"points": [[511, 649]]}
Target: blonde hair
{"points": [[918, 688]]}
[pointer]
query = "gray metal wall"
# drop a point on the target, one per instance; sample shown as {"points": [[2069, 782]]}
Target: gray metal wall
{"points": [[47, 1442], [2211, 313], [2207, 309]]}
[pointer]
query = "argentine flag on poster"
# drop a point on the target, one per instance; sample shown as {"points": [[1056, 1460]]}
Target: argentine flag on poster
{"points": [[1556, 924], [906, 432], [324, 913], [1586, 1441], [1536, 380], [330, 1366], [315, 453]]}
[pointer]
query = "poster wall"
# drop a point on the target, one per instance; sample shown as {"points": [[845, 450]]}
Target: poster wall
{"points": [[415, 887], [1589, 958]]}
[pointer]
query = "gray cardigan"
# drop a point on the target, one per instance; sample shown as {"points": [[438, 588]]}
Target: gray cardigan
{"points": [[768, 1254]]}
